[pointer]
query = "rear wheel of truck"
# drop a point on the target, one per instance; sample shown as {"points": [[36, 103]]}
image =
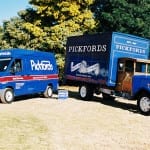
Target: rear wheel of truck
{"points": [[143, 104], [85, 92], [7, 96], [48, 92]]}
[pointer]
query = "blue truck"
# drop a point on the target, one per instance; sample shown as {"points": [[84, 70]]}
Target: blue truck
{"points": [[25, 72], [112, 64]]}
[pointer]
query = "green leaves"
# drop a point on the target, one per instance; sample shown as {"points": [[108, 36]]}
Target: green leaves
{"points": [[127, 16], [48, 23]]}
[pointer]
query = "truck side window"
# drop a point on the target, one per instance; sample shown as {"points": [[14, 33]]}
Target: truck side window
{"points": [[140, 67], [148, 68], [129, 66], [4, 62], [16, 66]]}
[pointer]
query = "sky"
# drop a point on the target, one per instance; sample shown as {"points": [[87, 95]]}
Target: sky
{"points": [[9, 8]]}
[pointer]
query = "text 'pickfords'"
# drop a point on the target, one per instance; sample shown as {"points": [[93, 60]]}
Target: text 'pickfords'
{"points": [[87, 48], [41, 65]]}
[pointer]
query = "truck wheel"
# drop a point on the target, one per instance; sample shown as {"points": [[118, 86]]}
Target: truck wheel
{"points": [[7, 96], [143, 104], [48, 92], [85, 92]]}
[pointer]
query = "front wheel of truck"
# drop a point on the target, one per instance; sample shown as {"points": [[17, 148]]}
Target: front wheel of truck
{"points": [[143, 104], [85, 92], [7, 96]]}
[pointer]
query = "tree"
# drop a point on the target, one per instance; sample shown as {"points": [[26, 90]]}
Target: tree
{"points": [[128, 16], [21, 34], [48, 23], [60, 19]]}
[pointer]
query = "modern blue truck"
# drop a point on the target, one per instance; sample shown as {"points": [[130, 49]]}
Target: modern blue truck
{"points": [[113, 64], [24, 72]]}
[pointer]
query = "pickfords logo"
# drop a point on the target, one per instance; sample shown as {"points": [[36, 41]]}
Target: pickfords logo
{"points": [[41, 65], [87, 48], [84, 68], [131, 45]]}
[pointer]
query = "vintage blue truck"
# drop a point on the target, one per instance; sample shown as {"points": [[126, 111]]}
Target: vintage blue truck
{"points": [[113, 64], [25, 72]]}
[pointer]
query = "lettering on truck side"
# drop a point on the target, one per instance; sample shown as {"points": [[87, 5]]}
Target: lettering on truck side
{"points": [[87, 48], [130, 49], [130, 45], [41, 65]]}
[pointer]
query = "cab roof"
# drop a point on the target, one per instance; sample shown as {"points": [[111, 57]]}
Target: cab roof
{"points": [[21, 52]]}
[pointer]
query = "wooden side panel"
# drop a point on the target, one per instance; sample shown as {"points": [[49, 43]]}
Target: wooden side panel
{"points": [[124, 82]]}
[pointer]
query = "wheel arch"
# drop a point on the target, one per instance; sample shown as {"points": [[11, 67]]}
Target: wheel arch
{"points": [[141, 92], [11, 87], [50, 84]]}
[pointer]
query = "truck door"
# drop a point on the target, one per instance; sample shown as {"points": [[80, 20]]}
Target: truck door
{"points": [[124, 75], [17, 72]]}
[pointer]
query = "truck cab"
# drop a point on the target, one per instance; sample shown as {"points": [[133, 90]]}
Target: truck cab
{"points": [[133, 81]]}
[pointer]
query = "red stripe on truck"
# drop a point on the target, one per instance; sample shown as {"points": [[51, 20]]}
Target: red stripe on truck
{"points": [[28, 77]]}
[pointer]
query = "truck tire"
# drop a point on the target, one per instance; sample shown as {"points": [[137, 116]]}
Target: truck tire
{"points": [[48, 92], [7, 96], [85, 92], [143, 104]]}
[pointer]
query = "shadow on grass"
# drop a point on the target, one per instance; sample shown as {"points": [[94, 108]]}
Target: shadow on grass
{"points": [[26, 97], [74, 94], [113, 103]]}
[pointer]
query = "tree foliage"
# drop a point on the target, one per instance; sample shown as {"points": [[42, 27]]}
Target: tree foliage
{"points": [[128, 16], [47, 24]]}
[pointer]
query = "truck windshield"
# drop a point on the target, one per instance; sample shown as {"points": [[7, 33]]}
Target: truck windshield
{"points": [[4, 62]]}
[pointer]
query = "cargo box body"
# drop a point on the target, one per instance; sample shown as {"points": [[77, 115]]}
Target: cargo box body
{"points": [[94, 58]]}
